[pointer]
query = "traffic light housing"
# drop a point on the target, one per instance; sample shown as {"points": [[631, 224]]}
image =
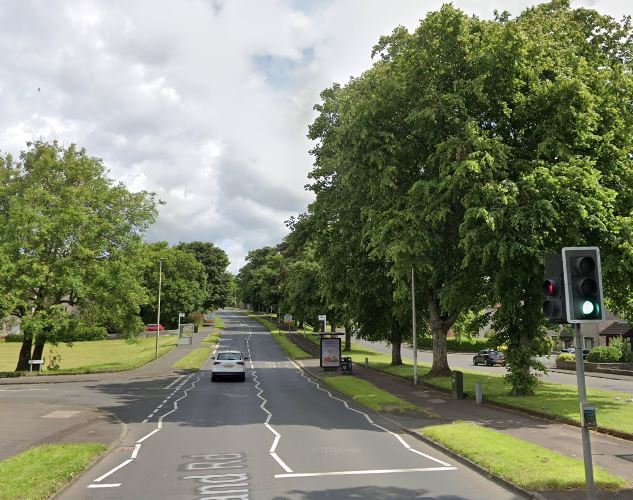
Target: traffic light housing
{"points": [[554, 289], [583, 284]]}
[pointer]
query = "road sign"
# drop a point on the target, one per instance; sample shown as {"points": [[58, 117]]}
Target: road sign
{"points": [[287, 319], [321, 317]]}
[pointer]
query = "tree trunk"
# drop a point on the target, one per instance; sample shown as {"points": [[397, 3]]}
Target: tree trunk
{"points": [[440, 359], [439, 328], [38, 350], [396, 340], [25, 353], [348, 338], [332, 328]]}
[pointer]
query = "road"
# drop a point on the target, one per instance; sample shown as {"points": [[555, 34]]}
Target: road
{"points": [[275, 436], [619, 383]]}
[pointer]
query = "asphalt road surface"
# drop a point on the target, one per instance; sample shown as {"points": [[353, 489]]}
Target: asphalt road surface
{"points": [[458, 361], [275, 436]]}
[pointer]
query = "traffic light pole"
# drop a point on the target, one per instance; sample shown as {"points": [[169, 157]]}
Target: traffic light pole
{"points": [[582, 396]]}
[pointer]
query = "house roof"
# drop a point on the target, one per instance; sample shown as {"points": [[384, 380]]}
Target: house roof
{"points": [[618, 329]]}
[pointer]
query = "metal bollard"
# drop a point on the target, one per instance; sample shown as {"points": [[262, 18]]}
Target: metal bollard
{"points": [[479, 393], [366, 362]]}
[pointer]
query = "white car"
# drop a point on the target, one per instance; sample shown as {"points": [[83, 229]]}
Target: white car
{"points": [[229, 364]]}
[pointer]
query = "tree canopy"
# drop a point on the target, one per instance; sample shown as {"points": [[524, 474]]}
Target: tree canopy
{"points": [[469, 150], [69, 236]]}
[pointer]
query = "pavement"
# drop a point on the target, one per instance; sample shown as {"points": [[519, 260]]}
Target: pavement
{"points": [[274, 436], [77, 408]]}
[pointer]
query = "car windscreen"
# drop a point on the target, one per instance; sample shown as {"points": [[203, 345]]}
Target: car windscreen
{"points": [[229, 356]]}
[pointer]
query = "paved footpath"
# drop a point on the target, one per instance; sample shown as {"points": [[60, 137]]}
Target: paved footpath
{"points": [[94, 407]]}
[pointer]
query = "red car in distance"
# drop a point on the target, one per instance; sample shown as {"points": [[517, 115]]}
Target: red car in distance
{"points": [[152, 327]]}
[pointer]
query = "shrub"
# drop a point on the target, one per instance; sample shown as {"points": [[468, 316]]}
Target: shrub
{"points": [[457, 344], [14, 337], [624, 348], [566, 356], [84, 333], [603, 354]]}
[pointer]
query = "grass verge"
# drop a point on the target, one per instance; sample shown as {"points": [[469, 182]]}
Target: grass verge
{"points": [[551, 400], [219, 322], [368, 394], [194, 360], [524, 464], [95, 356], [289, 348], [40, 472], [212, 338]]}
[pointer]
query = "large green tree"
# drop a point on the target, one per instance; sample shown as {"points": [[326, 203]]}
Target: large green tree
{"points": [[215, 262], [469, 150], [183, 284], [355, 278], [69, 236], [260, 280]]}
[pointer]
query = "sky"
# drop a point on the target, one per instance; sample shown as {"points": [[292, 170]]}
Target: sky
{"points": [[205, 102]]}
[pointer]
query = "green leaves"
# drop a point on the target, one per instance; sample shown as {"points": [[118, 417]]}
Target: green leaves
{"points": [[68, 235]]}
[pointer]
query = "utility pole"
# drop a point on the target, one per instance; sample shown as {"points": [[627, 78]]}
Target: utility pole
{"points": [[415, 339], [160, 277]]}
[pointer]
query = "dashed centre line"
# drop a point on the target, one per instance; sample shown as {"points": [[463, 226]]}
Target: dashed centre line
{"points": [[159, 425]]}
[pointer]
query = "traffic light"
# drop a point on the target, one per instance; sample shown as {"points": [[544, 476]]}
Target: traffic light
{"points": [[583, 279], [554, 289]]}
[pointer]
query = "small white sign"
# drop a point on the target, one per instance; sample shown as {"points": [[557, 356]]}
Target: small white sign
{"points": [[321, 317]]}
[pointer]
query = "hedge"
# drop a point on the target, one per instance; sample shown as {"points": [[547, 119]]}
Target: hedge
{"points": [[603, 354], [14, 337], [457, 344]]}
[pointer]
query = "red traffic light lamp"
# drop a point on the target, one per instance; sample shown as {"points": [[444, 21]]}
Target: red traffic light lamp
{"points": [[554, 289]]}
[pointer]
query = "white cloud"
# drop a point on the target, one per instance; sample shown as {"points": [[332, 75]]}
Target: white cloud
{"points": [[206, 103]]}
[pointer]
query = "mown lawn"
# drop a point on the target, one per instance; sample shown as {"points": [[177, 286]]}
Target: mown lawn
{"points": [[289, 347], [553, 400], [94, 356], [40, 472], [524, 464]]}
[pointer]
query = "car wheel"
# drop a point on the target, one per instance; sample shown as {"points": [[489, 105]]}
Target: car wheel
{"points": [[475, 362], [243, 377]]}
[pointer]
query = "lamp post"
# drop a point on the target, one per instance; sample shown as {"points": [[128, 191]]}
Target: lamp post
{"points": [[160, 277]]}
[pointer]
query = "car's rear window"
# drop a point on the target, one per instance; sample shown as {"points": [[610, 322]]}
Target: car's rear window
{"points": [[229, 355]]}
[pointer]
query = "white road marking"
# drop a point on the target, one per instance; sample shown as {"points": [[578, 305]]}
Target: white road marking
{"points": [[105, 485], [398, 437], [148, 435], [113, 470], [61, 414], [138, 443], [15, 390], [258, 387], [174, 382], [362, 472]]}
